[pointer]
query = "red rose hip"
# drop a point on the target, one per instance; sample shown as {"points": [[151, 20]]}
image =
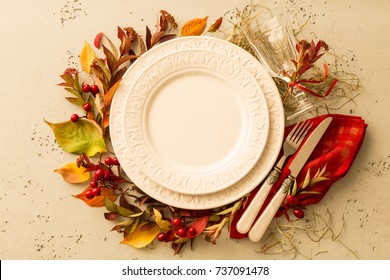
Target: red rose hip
{"points": [[298, 213]]}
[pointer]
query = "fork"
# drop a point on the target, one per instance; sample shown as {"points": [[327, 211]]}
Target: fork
{"points": [[291, 143]]}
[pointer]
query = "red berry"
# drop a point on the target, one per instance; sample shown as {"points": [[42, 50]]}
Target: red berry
{"points": [[290, 199], [99, 174], [176, 222], [181, 232], [87, 107], [96, 191], [115, 161], [94, 89], [74, 117], [191, 231], [93, 183], [86, 88], [89, 194], [299, 213], [108, 160], [106, 174], [162, 237]]}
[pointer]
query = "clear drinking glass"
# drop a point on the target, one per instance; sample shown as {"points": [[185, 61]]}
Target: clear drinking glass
{"points": [[270, 36]]}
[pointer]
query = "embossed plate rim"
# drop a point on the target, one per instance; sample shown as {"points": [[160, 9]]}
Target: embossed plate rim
{"points": [[236, 168], [256, 175]]}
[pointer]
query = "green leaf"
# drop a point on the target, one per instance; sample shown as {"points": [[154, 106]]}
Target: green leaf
{"points": [[124, 211], [83, 136], [307, 179], [110, 205]]}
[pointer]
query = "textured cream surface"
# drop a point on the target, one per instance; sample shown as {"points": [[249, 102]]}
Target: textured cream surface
{"points": [[40, 39]]}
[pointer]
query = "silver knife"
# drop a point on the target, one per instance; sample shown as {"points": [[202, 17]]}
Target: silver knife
{"points": [[259, 227]]}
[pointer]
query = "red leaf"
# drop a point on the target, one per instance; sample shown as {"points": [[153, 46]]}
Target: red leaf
{"points": [[121, 34], [98, 40], [199, 225]]}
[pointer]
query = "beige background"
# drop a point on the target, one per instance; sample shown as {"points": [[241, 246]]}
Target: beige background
{"points": [[39, 39]]}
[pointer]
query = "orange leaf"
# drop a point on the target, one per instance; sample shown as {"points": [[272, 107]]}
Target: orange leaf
{"points": [[73, 174], [216, 25], [97, 201], [194, 27], [87, 56], [109, 95], [143, 235]]}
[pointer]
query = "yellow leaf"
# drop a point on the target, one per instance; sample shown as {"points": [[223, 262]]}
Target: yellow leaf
{"points": [[143, 235], [164, 225], [83, 136], [194, 27], [87, 56], [73, 174], [97, 201]]}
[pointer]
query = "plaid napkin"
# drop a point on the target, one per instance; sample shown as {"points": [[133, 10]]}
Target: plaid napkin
{"points": [[335, 152]]}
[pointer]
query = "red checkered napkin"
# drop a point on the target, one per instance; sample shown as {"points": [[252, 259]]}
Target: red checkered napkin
{"points": [[336, 152]]}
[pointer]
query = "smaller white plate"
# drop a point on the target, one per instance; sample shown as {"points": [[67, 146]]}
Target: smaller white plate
{"points": [[197, 121]]}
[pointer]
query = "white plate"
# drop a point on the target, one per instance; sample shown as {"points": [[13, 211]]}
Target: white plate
{"points": [[195, 121], [243, 186]]}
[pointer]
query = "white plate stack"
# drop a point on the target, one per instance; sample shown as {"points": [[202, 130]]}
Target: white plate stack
{"points": [[197, 122]]}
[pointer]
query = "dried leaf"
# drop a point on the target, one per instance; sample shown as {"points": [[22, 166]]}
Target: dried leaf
{"points": [[74, 174], [97, 201], [123, 224], [148, 38], [194, 27], [163, 224], [111, 216], [87, 57], [216, 25], [142, 236], [111, 60], [156, 38], [83, 136]]}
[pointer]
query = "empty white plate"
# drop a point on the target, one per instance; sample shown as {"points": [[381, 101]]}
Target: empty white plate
{"points": [[245, 185], [196, 121]]}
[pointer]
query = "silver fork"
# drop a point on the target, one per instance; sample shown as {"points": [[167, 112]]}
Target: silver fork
{"points": [[291, 144]]}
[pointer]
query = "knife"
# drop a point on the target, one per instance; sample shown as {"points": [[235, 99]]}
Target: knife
{"points": [[259, 227]]}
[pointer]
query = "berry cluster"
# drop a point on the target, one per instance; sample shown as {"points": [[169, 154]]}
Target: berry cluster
{"points": [[180, 228], [103, 177], [293, 201], [92, 89], [87, 108]]}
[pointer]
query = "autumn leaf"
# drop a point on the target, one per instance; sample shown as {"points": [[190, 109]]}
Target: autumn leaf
{"points": [[98, 39], [143, 235], [73, 174], [194, 27], [87, 56], [97, 201], [83, 136], [164, 225], [216, 25], [199, 225]]}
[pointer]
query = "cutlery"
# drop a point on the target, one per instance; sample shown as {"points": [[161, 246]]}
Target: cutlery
{"points": [[290, 145], [262, 223]]}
